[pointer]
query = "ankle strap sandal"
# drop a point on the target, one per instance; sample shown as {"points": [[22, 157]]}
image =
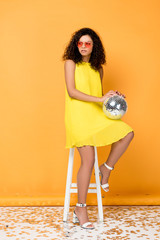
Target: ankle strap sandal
{"points": [[76, 220], [105, 185]]}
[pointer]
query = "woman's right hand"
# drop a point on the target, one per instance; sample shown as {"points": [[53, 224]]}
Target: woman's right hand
{"points": [[111, 93]]}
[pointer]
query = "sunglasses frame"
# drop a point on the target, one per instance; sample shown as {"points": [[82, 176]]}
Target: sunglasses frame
{"points": [[87, 44]]}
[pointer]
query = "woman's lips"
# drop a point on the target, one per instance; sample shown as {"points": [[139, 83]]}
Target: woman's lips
{"points": [[83, 51]]}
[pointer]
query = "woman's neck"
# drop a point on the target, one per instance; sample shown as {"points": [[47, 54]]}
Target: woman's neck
{"points": [[85, 59]]}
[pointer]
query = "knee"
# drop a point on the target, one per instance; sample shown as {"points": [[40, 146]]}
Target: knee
{"points": [[89, 162], [131, 135]]}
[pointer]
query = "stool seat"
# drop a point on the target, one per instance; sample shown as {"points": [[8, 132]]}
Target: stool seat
{"points": [[72, 187]]}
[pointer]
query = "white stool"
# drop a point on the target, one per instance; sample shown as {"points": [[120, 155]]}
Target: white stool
{"points": [[72, 187]]}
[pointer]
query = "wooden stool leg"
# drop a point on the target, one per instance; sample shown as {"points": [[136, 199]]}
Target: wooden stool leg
{"points": [[99, 197], [68, 185]]}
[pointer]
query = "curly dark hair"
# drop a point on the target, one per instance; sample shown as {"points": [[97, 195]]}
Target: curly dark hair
{"points": [[98, 53]]}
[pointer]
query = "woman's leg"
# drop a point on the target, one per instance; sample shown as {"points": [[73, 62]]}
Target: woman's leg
{"points": [[117, 149], [83, 179]]}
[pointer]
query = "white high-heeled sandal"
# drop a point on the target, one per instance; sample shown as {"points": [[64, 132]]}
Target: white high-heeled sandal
{"points": [[106, 184], [76, 220]]}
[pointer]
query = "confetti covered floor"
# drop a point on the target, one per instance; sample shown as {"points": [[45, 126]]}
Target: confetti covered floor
{"points": [[120, 222]]}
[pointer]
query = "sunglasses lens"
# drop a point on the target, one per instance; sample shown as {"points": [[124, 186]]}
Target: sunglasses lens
{"points": [[87, 44], [79, 44]]}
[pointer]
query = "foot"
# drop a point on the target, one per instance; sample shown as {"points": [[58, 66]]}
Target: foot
{"points": [[82, 215], [105, 175]]}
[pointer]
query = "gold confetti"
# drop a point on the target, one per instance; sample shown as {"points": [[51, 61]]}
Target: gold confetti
{"points": [[120, 222]]}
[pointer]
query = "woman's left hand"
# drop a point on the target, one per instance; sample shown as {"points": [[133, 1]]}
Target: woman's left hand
{"points": [[120, 94]]}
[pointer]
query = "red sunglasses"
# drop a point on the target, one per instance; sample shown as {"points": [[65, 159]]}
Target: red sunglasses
{"points": [[87, 44]]}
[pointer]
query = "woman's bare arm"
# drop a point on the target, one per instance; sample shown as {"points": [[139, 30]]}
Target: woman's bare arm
{"points": [[69, 68]]}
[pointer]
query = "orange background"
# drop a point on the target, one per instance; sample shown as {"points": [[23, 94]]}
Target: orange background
{"points": [[33, 157]]}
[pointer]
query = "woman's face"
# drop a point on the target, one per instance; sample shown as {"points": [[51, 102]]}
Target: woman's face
{"points": [[85, 45]]}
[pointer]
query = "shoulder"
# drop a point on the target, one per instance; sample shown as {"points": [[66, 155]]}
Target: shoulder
{"points": [[69, 63]]}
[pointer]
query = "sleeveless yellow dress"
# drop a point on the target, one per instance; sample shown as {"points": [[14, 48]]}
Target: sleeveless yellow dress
{"points": [[85, 122]]}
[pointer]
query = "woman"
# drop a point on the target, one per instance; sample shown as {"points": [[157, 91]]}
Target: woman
{"points": [[86, 124]]}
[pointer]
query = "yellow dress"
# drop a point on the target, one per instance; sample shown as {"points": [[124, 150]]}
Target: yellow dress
{"points": [[85, 122]]}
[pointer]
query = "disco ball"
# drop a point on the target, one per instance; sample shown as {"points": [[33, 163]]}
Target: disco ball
{"points": [[115, 107]]}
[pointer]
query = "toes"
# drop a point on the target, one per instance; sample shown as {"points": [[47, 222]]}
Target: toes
{"points": [[90, 226]]}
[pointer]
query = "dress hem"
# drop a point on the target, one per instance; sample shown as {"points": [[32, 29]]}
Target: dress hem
{"points": [[102, 144]]}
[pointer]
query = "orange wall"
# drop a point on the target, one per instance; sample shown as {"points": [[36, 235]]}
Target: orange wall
{"points": [[33, 37]]}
